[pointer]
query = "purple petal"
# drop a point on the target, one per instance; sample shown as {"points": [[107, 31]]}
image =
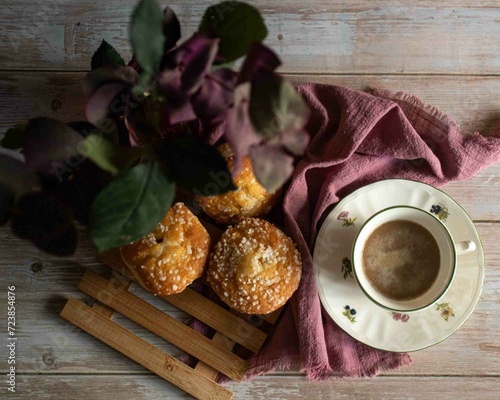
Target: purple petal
{"points": [[272, 167], [211, 102], [99, 104], [108, 74], [276, 106], [177, 101], [259, 56], [239, 132], [201, 52], [294, 141]]}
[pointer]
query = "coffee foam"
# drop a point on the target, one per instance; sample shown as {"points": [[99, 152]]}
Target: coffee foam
{"points": [[401, 259]]}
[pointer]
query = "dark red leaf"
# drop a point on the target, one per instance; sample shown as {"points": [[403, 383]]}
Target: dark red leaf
{"points": [[239, 131], [177, 101], [294, 141], [46, 222], [215, 96], [101, 103], [6, 202], [16, 175], [272, 167], [259, 56], [108, 74], [50, 146], [171, 28]]}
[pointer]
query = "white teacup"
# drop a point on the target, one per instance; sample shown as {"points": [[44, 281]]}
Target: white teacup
{"points": [[448, 252]]}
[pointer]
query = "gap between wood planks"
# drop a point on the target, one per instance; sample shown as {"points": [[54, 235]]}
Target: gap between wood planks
{"points": [[285, 73], [287, 374]]}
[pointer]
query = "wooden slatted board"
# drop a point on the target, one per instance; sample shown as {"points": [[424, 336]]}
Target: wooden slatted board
{"points": [[214, 355]]}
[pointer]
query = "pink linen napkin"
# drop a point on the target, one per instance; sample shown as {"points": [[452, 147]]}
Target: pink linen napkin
{"points": [[356, 139]]}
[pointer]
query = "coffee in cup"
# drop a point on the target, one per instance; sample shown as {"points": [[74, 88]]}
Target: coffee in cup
{"points": [[405, 259]]}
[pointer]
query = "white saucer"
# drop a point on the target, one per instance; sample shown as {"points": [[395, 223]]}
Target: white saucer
{"points": [[369, 323]]}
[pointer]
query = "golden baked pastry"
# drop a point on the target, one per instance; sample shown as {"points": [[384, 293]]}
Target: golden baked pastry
{"points": [[249, 200], [172, 256], [255, 267]]}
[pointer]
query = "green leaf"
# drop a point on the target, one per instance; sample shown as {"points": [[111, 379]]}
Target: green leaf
{"points": [[275, 106], [109, 156], [146, 35], [13, 138], [130, 206], [105, 55], [237, 24], [196, 166], [144, 85]]}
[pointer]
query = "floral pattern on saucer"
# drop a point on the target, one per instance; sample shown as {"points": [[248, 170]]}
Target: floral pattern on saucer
{"points": [[399, 317], [344, 216], [346, 268], [441, 211], [446, 310], [349, 313], [379, 327]]}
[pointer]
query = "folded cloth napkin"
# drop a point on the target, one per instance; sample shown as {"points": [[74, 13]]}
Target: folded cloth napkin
{"points": [[356, 139]]}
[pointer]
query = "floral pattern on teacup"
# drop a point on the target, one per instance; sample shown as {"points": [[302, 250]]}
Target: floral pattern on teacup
{"points": [[349, 313], [446, 310]]}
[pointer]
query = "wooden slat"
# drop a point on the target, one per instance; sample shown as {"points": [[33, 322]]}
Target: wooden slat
{"points": [[317, 36], [108, 312], [204, 310], [221, 320], [142, 352], [95, 387], [163, 325], [207, 370], [211, 373]]}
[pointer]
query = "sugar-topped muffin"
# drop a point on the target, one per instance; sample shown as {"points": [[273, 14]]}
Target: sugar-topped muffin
{"points": [[249, 200], [254, 268], [172, 256]]}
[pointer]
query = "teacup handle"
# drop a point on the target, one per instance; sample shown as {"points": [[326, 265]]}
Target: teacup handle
{"points": [[465, 247]]}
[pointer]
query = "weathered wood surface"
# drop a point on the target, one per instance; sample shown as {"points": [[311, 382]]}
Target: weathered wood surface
{"points": [[471, 100], [51, 345], [98, 387], [446, 52], [356, 36]]}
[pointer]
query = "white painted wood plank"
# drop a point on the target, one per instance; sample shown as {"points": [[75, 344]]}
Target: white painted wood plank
{"points": [[471, 101], [263, 388], [450, 36], [48, 344]]}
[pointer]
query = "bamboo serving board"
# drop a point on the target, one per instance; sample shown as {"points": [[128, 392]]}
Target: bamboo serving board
{"points": [[214, 355]]}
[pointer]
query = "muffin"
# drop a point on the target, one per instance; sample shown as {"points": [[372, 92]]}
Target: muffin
{"points": [[172, 256], [254, 268], [249, 200]]}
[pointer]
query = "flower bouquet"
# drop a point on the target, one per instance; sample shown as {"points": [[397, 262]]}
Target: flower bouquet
{"points": [[148, 129]]}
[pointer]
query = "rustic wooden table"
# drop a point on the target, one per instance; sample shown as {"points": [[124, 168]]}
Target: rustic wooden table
{"points": [[447, 53]]}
